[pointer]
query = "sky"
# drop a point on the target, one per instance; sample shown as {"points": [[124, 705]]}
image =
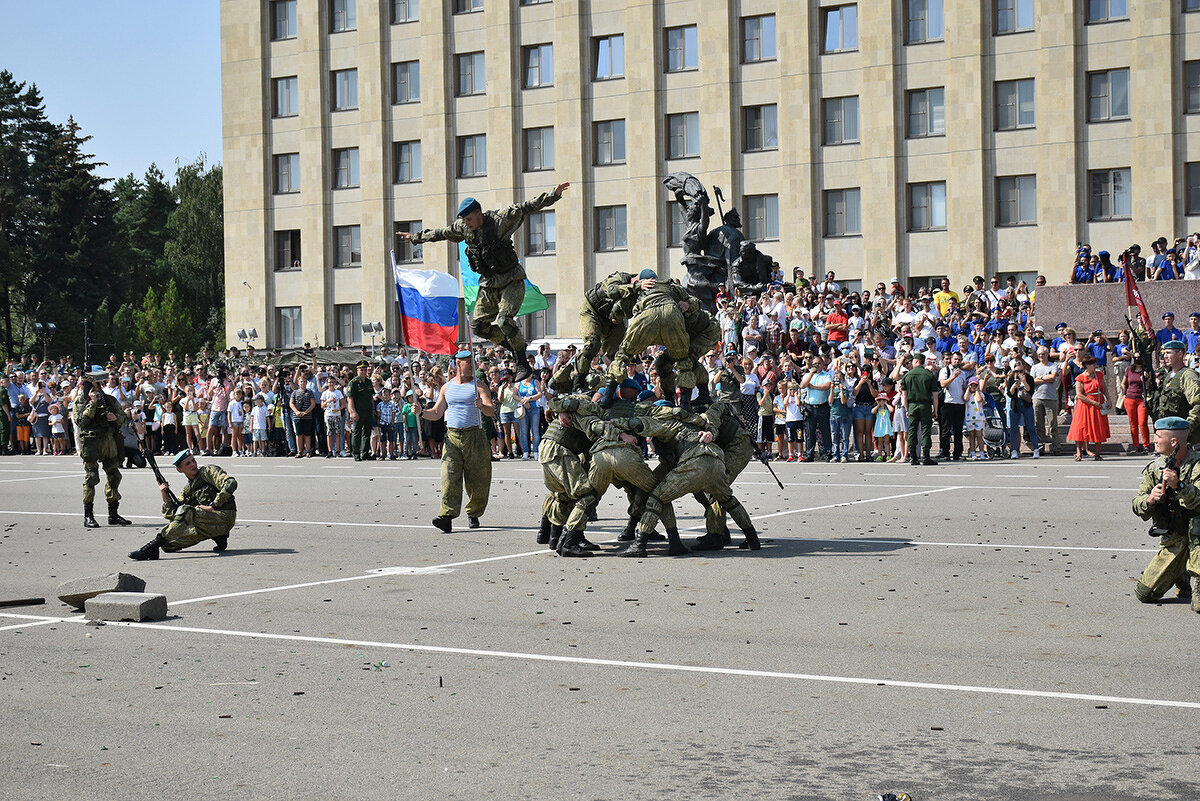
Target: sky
{"points": [[142, 77]]}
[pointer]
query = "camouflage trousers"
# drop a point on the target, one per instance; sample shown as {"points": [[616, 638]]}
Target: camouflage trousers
{"points": [[1176, 553], [566, 479], [625, 467], [190, 525], [466, 462], [659, 325], [599, 336], [495, 316], [698, 474], [99, 450], [737, 456]]}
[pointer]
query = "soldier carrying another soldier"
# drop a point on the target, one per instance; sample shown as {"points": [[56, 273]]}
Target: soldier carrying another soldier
{"points": [[98, 419], [205, 510], [490, 253], [1169, 496]]}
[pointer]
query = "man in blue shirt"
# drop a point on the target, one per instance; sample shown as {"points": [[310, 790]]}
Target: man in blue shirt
{"points": [[945, 340], [1192, 337], [1099, 348], [1169, 333], [1058, 337], [817, 381], [997, 323]]}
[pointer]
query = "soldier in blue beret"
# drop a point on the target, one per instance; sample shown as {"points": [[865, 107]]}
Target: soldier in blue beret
{"points": [[1169, 497], [1179, 394]]}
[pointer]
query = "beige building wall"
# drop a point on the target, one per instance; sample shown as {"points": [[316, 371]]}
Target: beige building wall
{"points": [[1155, 142]]}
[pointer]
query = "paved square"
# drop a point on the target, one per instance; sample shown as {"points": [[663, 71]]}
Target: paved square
{"points": [[965, 631]]}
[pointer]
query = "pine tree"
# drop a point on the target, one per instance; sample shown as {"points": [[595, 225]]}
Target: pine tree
{"points": [[196, 249]]}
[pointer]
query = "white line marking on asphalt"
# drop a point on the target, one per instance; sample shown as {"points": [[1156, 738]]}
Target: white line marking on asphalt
{"points": [[906, 541], [36, 620], [1105, 478], [929, 491], [60, 474], [666, 666], [882, 474], [410, 571]]}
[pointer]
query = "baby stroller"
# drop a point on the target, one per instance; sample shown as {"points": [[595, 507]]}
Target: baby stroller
{"points": [[995, 429]]}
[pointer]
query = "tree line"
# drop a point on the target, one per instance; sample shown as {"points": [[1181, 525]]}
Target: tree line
{"points": [[141, 259]]}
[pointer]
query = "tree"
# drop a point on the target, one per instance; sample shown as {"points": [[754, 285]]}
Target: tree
{"points": [[195, 252], [143, 208]]}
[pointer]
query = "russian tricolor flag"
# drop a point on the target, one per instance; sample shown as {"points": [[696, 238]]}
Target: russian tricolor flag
{"points": [[428, 309]]}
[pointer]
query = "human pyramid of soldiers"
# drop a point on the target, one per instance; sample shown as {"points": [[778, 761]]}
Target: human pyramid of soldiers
{"points": [[595, 440]]}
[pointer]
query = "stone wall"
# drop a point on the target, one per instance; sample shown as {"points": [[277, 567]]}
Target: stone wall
{"points": [[1087, 307]]}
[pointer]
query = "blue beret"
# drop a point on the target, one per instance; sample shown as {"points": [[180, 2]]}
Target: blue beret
{"points": [[179, 457], [1168, 314], [646, 394], [1171, 424], [731, 353], [468, 205], [1174, 344], [463, 354], [1194, 314], [662, 402], [647, 273], [1061, 325], [629, 383], [1103, 253]]}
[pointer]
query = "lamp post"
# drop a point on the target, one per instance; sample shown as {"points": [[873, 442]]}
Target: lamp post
{"points": [[45, 331], [373, 330], [247, 336]]}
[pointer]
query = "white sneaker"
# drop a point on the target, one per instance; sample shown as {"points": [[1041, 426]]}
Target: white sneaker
{"points": [[1015, 455], [1035, 453]]}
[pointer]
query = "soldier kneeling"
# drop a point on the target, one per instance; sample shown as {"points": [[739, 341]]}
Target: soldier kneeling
{"points": [[205, 510], [1169, 496]]}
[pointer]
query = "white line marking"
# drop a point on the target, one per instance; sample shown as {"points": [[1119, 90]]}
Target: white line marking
{"points": [[1105, 478], [35, 620], [576, 660], [59, 474], [882, 474], [903, 541], [929, 491]]}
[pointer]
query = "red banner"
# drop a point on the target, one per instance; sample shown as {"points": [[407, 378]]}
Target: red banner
{"points": [[1133, 297]]}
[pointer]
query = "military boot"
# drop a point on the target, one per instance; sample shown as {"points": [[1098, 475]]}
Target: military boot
{"points": [[587, 544], [676, 546], [570, 545], [751, 542], [220, 543], [635, 549], [713, 542], [609, 395], [115, 519], [555, 536], [1196, 593], [626, 534], [89, 517], [1183, 585], [543, 536], [444, 523], [149, 551]]}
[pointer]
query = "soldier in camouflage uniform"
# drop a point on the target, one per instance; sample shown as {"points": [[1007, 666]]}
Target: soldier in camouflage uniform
{"points": [[1169, 496], [700, 468], [602, 316], [98, 419], [205, 510], [737, 446], [490, 253], [571, 496], [1179, 395]]}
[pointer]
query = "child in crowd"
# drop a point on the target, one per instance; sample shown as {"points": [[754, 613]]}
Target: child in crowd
{"points": [[168, 425], [58, 431], [973, 420], [24, 423], [260, 425], [793, 422], [411, 427], [883, 425], [900, 425], [385, 412], [766, 414], [237, 418], [245, 432]]}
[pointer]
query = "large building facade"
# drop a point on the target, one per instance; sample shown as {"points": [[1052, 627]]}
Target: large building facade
{"points": [[884, 138]]}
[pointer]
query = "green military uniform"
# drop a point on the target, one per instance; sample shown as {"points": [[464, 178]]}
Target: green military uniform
{"points": [[614, 461], [5, 416], [1180, 397], [1177, 518], [361, 394], [466, 462], [602, 316], [566, 475], [738, 448], [920, 387], [728, 384], [100, 442], [659, 320], [491, 254], [190, 524]]}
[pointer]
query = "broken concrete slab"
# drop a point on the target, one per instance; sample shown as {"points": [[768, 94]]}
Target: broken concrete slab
{"points": [[74, 592], [135, 606]]}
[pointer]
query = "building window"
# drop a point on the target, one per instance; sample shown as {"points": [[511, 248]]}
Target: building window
{"points": [[610, 142], [841, 120], [608, 52], [539, 233], [762, 217], [1108, 95], [1191, 86], [1016, 200], [472, 156], [470, 74], [927, 206], [287, 173], [406, 156], [534, 2], [1014, 104], [345, 90], [544, 323], [842, 213], [1191, 5], [283, 20], [287, 250], [467, 6], [924, 18], [1109, 194], [349, 323], [539, 149], [682, 49], [1191, 177], [288, 326], [760, 126], [840, 26], [611, 233], [407, 252], [347, 242], [406, 82], [678, 225], [404, 11], [286, 97], [1014, 16], [758, 38], [345, 168], [343, 16], [683, 135], [1107, 10], [926, 113], [539, 65]]}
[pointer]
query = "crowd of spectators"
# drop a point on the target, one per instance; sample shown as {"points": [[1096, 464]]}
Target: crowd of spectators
{"points": [[1167, 262]]}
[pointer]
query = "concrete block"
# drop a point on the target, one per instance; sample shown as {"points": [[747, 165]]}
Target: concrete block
{"points": [[126, 606], [74, 592]]}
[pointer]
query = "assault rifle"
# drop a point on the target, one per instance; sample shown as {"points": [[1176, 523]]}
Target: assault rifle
{"points": [[158, 473], [1168, 507]]}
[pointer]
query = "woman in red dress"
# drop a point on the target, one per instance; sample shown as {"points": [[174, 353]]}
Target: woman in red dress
{"points": [[1088, 424]]}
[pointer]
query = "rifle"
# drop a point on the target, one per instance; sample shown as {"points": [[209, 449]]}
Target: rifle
{"points": [[762, 457], [158, 473], [1162, 523]]}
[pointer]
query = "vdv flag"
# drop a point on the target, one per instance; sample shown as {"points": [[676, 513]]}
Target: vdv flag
{"points": [[428, 309], [534, 301]]}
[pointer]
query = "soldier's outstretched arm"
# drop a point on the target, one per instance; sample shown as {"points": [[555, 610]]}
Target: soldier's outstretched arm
{"points": [[509, 218], [450, 233]]}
